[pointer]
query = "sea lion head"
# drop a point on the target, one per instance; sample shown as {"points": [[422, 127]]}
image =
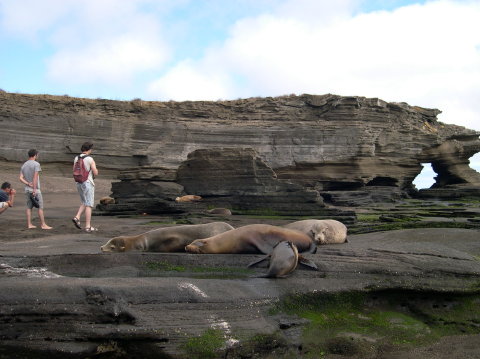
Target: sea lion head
{"points": [[116, 244], [318, 234], [197, 246]]}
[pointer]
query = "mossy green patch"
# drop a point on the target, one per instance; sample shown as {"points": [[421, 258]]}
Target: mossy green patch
{"points": [[378, 227], [259, 212], [164, 266], [368, 217], [160, 267], [358, 322], [166, 223], [204, 346], [268, 346]]}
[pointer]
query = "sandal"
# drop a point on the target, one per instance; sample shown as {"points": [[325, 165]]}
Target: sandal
{"points": [[76, 222], [91, 229]]}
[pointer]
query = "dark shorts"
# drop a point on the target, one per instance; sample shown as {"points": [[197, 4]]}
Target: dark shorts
{"points": [[29, 201]]}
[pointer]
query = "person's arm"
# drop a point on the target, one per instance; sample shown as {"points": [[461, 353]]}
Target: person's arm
{"points": [[93, 168], [24, 181], [12, 197], [35, 182]]}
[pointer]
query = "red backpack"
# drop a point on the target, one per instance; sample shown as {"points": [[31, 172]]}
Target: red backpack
{"points": [[80, 173]]}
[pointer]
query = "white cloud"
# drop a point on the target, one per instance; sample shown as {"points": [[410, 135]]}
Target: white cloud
{"points": [[93, 42], [112, 61], [185, 82], [427, 55], [26, 18]]}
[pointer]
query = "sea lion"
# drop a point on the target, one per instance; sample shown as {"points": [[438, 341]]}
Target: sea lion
{"points": [[220, 211], [166, 239], [322, 231], [188, 198], [283, 260], [107, 200], [254, 238]]}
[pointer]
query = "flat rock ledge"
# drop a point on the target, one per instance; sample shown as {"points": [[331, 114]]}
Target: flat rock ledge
{"points": [[59, 299]]}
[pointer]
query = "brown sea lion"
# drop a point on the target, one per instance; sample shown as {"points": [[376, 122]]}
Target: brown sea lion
{"points": [[166, 239], [322, 231], [107, 200], [188, 198], [254, 238], [283, 260]]}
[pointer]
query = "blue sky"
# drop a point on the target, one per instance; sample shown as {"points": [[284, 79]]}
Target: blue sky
{"points": [[425, 53]]}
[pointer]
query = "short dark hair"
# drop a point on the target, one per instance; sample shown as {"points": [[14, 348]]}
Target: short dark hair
{"points": [[32, 153], [87, 146], [6, 185]]}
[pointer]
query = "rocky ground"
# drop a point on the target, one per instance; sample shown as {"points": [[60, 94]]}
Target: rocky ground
{"points": [[397, 290]]}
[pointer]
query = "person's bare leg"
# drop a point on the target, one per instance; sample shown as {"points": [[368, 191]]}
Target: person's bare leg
{"points": [[80, 211], [88, 217], [29, 219], [42, 219]]}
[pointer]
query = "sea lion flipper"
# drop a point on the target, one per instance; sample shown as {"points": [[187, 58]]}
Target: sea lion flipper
{"points": [[313, 248], [258, 261], [306, 262]]}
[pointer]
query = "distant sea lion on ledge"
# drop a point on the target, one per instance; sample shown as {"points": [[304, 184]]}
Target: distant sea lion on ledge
{"points": [[322, 231], [166, 239], [188, 198], [220, 211], [107, 200], [254, 238]]}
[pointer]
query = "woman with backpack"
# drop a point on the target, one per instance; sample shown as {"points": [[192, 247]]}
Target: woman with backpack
{"points": [[84, 171]]}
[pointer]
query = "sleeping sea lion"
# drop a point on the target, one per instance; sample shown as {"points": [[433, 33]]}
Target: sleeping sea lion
{"points": [[220, 211], [107, 200], [188, 198], [322, 231], [167, 239], [283, 260], [254, 238]]}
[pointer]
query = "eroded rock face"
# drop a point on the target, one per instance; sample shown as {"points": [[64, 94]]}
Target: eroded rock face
{"points": [[326, 143], [241, 179], [234, 178]]}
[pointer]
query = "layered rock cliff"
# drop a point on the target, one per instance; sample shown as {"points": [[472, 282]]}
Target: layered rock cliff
{"points": [[327, 143]]}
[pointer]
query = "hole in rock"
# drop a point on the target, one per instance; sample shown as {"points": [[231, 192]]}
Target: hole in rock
{"points": [[426, 177], [475, 162]]}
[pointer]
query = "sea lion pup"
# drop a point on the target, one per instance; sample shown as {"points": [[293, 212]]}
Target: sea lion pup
{"points": [[283, 260], [166, 239], [188, 198], [254, 238], [322, 231]]}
